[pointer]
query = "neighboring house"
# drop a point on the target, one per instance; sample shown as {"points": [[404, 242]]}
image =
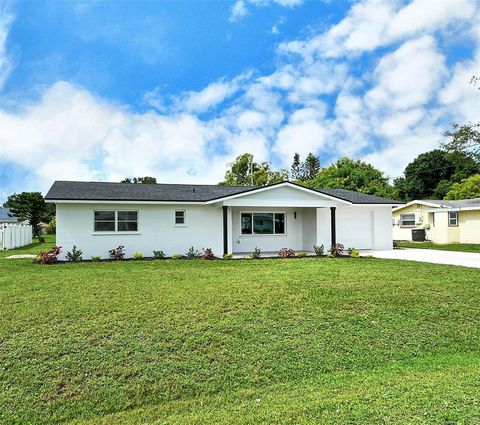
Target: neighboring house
{"points": [[5, 218], [97, 217], [442, 221]]}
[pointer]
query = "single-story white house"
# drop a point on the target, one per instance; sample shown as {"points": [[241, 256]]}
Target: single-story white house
{"points": [[438, 221], [99, 216]]}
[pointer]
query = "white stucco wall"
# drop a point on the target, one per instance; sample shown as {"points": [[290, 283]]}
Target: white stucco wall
{"points": [[156, 229]]}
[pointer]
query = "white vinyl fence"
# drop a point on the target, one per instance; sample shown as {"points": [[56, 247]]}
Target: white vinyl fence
{"points": [[15, 235]]}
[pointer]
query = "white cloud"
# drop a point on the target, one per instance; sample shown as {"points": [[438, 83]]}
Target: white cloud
{"points": [[239, 8], [305, 132], [373, 23], [5, 62], [409, 76]]}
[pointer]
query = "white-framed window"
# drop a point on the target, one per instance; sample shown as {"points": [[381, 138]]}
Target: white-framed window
{"points": [[262, 223], [115, 221], [180, 217], [453, 218], [407, 220]]}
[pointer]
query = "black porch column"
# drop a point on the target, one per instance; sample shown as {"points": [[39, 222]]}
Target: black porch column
{"points": [[333, 226], [225, 229]]}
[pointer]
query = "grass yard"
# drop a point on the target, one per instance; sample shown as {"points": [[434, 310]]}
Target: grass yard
{"points": [[239, 342], [464, 247]]}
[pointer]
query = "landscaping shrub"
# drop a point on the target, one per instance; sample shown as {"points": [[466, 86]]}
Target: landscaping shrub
{"points": [[138, 256], [74, 255], [248, 257], [228, 256], [117, 253], [286, 253], [193, 253], [158, 255], [319, 250], [337, 250], [349, 250], [301, 254], [96, 258], [176, 256], [208, 254], [257, 253], [354, 253], [49, 257]]}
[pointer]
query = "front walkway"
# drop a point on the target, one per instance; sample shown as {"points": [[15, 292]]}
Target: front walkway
{"points": [[467, 259]]}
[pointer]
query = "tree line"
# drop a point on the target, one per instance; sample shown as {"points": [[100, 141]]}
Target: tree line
{"points": [[450, 172]]}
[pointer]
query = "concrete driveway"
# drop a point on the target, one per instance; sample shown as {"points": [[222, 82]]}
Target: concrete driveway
{"points": [[467, 259]]}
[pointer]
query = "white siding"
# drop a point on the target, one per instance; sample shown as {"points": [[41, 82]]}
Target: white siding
{"points": [[156, 229]]}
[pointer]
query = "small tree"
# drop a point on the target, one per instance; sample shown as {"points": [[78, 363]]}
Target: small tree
{"points": [[32, 207], [296, 169]]}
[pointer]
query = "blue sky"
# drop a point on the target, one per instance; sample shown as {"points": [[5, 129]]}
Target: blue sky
{"points": [[103, 90]]}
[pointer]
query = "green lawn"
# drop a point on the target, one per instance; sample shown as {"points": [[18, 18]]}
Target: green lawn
{"points": [[239, 342], [33, 248], [464, 247]]}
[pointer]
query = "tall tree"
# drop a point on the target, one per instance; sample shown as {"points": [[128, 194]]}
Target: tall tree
{"points": [[466, 189], [306, 170], [144, 180], [311, 166], [354, 175], [32, 207], [431, 174], [296, 169], [244, 171]]}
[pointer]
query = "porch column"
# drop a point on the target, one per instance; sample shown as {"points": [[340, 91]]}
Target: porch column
{"points": [[333, 225], [225, 229]]}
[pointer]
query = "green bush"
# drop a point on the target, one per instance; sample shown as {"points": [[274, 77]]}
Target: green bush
{"points": [[248, 257], [74, 255], [354, 252], [301, 254], [176, 256], [319, 250], [96, 258], [158, 255], [228, 256], [193, 253], [138, 256], [257, 253]]}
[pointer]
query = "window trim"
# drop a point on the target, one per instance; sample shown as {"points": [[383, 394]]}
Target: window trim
{"points": [[408, 225], [249, 235], [116, 231], [184, 224], [456, 219]]}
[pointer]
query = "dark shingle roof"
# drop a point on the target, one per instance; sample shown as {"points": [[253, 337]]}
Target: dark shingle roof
{"points": [[103, 191], [357, 197]]}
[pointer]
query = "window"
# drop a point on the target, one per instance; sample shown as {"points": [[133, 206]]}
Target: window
{"points": [[115, 221], [180, 217], [127, 221], [453, 218], [407, 220], [262, 223]]}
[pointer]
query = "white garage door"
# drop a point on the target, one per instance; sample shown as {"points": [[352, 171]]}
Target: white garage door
{"points": [[354, 228]]}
